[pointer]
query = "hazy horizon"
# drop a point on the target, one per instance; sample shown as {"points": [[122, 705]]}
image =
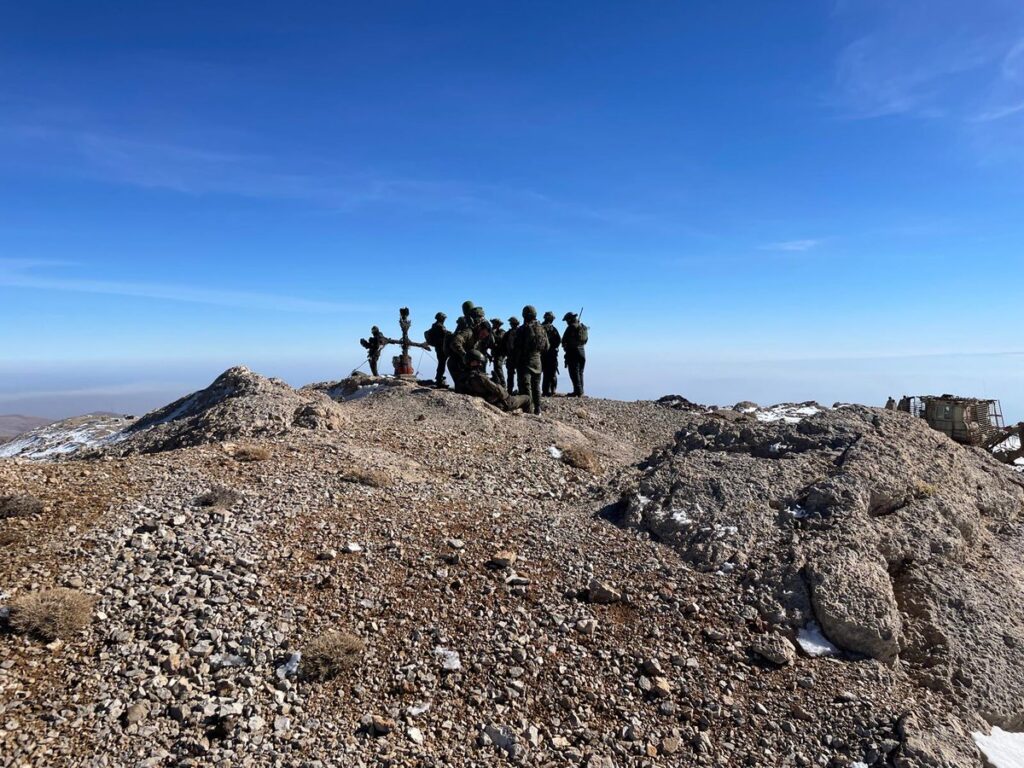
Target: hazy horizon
{"points": [[57, 392]]}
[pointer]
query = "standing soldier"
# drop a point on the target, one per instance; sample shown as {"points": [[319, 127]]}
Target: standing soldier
{"points": [[574, 342], [373, 346], [549, 360], [437, 337], [531, 344], [467, 310], [509, 352], [498, 351]]}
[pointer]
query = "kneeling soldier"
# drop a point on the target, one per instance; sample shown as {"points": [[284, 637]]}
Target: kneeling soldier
{"points": [[479, 385]]}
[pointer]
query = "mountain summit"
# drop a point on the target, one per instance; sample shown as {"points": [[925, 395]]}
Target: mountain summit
{"points": [[374, 572]]}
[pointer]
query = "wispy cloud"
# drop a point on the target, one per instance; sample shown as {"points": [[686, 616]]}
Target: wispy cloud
{"points": [[999, 113], [794, 246], [929, 58], [37, 275], [195, 170]]}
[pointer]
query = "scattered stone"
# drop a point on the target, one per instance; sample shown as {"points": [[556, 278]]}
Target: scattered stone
{"points": [[774, 648], [502, 559], [601, 592]]}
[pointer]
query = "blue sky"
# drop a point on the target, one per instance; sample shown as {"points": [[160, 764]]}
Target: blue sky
{"points": [[747, 198]]}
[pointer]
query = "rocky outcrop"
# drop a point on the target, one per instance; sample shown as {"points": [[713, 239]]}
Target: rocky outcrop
{"points": [[897, 541], [238, 404]]}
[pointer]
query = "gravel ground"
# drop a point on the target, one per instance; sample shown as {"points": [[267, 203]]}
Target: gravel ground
{"points": [[505, 617]]}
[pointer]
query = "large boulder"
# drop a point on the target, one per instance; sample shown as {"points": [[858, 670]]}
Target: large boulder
{"points": [[853, 600]]}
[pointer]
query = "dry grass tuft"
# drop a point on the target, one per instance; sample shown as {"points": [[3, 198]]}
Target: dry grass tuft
{"points": [[219, 497], [330, 654], [581, 458], [19, 505], [51, 613], [923, 490], [374, 478], [251, 453]]}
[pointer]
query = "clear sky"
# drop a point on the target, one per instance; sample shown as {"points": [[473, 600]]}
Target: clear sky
{"points": [[750, 199]]}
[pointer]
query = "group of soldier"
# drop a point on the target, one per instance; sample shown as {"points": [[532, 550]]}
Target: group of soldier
{"points": [[523, 359]]}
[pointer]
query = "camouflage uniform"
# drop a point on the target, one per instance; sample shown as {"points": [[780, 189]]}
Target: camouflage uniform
{"points": [[574, 342], [531, 342], [478, 385], [509, 351], [373, 346], [467, 338], [549, 360], [437, 337], [497, 347], [467, 311]]}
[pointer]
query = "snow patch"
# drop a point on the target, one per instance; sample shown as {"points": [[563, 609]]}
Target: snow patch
{"points": [[1002, 749], [1011, 443], [555, 452], [681, 516], [450, 661], [417, 709], [65, 438], [791, 414], [813, 642], [364, 391], [798, 512]]}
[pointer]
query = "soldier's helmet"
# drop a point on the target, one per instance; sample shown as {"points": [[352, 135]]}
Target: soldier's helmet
{"points": [[479, 314], [467, 307], [497, 322], [375, 329], [569, 317], [476, 359], [513, 321], [529, 313], [440, 316], [549, 317]]}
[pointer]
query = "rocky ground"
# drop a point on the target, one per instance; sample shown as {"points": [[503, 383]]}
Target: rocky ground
{"points": [[609, 584]]}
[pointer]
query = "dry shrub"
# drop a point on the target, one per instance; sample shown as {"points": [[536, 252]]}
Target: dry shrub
{"points": [[51, 613], [19, 505], [581, 458], [923, 490], [373, 478], [251, 453], [329, 655], [219, 497]]}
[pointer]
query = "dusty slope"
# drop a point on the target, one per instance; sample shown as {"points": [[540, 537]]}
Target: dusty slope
{"points": [[200, 606], [12, 425]]}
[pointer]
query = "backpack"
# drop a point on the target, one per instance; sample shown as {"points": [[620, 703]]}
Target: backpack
{"points": [[537, 338], [581, 335], [434, 336], [508, 344]]}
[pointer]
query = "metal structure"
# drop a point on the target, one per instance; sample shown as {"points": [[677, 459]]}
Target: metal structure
{"points": [[403, 362], [969, 421]]}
